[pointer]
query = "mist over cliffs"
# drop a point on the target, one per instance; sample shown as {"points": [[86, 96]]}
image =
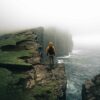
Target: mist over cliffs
{"points": [[62, 40]]}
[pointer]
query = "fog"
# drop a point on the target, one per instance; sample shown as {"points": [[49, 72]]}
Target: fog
{"points": [[79, 17]]}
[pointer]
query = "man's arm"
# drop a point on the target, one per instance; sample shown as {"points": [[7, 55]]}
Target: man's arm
{"points": [[47, 50]]}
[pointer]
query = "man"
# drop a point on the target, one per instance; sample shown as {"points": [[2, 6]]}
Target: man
{"points": [[50, 50]]}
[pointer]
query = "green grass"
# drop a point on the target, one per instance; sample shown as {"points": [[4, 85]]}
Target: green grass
{"points": [[13, 57], [8, 91], [45, 90], [12, 40]]}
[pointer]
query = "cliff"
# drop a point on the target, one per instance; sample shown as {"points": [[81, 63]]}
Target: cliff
{"points": [[39, 83], [22, 74], [91, 89]]}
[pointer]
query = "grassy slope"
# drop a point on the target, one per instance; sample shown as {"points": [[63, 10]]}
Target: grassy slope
{"points": [[12, 39], [12, 56]]}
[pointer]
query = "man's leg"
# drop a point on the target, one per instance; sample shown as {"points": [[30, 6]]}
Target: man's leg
{"points": [[52, 58]]}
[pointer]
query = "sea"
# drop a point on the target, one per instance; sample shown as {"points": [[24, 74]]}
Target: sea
{"points": [[81, 65]]}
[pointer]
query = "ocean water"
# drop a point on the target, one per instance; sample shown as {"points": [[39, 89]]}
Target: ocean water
{"points": [[81, 65]]}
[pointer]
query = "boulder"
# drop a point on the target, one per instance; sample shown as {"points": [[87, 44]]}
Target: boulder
{"points": [[91, 89]]}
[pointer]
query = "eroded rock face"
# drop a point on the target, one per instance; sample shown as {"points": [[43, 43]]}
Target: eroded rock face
{"points": [[91, 89]]}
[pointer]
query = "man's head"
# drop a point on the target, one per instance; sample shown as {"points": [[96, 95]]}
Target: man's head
{"points": [[50, 44]]}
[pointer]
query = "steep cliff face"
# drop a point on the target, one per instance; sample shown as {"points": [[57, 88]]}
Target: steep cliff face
{"points": [[22, 75], [91, 89]]}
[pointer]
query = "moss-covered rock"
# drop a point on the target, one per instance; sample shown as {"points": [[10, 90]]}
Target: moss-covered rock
{"points": [[14, 46]]}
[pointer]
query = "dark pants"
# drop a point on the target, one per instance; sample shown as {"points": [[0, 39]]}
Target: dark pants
{"points": [[51, 59]]}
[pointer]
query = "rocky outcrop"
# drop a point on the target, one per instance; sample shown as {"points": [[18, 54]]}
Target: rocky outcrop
{"points": [[41, 82], [91, 89], [48, 78]]}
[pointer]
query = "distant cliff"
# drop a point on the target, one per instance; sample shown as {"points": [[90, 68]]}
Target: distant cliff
{"points": [[62, 40]]}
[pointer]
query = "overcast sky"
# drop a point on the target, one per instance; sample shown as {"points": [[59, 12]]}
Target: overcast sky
{"points": [[79, 17]]}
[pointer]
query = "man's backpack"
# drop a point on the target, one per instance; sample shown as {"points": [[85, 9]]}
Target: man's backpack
{"points": [[51, 50]]}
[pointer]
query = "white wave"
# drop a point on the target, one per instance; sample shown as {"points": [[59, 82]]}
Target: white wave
{"points": [[66, 56], [59, 61], [71, 87]]}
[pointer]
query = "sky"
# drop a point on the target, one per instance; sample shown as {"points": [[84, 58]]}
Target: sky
{"points": [[79, 17]]}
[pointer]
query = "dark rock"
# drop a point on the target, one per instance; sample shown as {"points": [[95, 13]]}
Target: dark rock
{"points": [[16, 67], [91, 89], [8, 48]]}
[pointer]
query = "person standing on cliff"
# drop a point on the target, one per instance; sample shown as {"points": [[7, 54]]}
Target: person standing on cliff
{"points": [[50, 51]]}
